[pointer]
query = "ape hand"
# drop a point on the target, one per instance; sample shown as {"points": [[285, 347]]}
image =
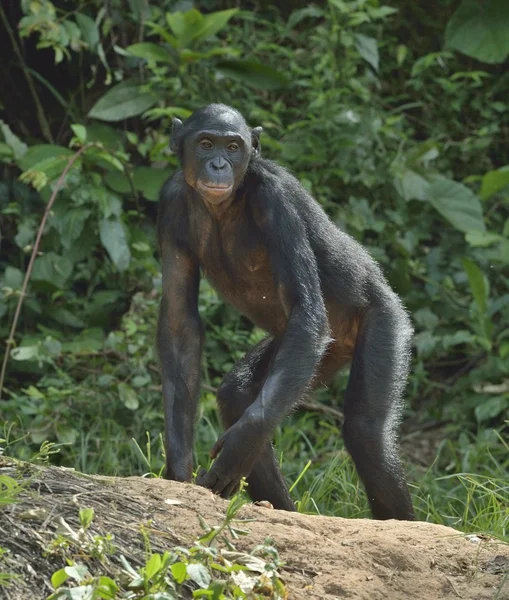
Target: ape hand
{"points": [[239, 449]]}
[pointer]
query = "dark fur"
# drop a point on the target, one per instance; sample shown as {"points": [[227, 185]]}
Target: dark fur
{"points": [[271, 251]]}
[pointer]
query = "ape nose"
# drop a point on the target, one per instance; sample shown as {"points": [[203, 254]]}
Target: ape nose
{"points": [[219, 164]]}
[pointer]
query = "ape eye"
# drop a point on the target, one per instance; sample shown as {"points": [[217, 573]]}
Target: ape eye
{"points": [[206, 144], [233, 147]]}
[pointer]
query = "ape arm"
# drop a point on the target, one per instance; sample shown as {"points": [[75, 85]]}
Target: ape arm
{"points": [[301, 347], [299, 350], [180, 341]]}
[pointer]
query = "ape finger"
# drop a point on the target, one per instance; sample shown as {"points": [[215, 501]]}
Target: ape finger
{"points": [[218, 446]]}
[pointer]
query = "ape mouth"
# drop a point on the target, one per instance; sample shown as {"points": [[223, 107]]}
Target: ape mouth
{"points": [[215, 189]]}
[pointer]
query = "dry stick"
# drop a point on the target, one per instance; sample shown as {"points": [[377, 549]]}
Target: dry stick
{"points": [[10, 340]]}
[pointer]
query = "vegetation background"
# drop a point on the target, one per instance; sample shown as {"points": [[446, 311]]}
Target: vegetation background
{"points": [[395, 115]]}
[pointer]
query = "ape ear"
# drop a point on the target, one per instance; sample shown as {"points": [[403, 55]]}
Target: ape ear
{"points": [[255, 141], [176, 125]]}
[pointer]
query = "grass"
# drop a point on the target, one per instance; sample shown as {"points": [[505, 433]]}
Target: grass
{"points": [[77, 407]]}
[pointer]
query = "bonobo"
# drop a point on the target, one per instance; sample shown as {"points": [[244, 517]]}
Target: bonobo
{"points": [[271, 251]]}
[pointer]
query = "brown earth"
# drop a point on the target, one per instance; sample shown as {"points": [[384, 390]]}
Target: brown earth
{"points": [[325, 558]]}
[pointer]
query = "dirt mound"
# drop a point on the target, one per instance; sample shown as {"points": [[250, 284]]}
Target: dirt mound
{"points": [[326, 558]]}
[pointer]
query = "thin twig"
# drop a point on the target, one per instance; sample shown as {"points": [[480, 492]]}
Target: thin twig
{"points": [[45, 128], [322, 408], [10, 339]]}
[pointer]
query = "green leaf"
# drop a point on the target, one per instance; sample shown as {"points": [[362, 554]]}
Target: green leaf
{"points": [[179, 572], [456, 203], [58, 578], [367, 47], [154, 564], [80, 131], [52, 268], [118, 182], [19, 148], [148, 181], [478, 285], [185, 24], [25, 353], [213, 23], [129, 399], [413, 186], [252, 73], [127, 99], [303, 13], [114, 239], [494, 181], [67, 318], [77, 572], [480, 30], [150, 51], [86, 517], [199, 574], [70, 224], [491, 408], [13, 278], [89, 30], [482, 239], [48, 158]]}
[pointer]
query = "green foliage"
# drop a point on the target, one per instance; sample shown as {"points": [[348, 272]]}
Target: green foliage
{"points": [[480, 30], [203, 570], [403, 144]]}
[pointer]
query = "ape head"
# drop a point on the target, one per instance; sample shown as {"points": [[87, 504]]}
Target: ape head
{"points": [[215, 146]]}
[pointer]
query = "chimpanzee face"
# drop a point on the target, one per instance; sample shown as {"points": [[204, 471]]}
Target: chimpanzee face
{"points": [[215, 146]]}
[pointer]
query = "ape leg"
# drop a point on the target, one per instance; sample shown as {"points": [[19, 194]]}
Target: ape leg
{"points": [[239, 389], [373, 407]]}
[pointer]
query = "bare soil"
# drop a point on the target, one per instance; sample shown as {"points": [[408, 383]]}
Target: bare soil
{"points": [[327, 558]]}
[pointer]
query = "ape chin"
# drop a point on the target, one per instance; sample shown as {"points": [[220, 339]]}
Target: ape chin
{"points": [[271, 251]]}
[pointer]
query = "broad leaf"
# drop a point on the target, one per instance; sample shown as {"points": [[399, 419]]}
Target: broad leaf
{"points": [[48, 158], [53, 269], [150, 51], [494, 181], [129, 399], [412, 186], [113, 238], [89, 30], [199, 574], [148, 181], [185, 25], [491, 408], [480, 30], [252, 73], [367, 47], [213, 23], [456, 203], [70, 225], [303, 13], [67, 318], [154, 564], [19, 148], [127, 99]]}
